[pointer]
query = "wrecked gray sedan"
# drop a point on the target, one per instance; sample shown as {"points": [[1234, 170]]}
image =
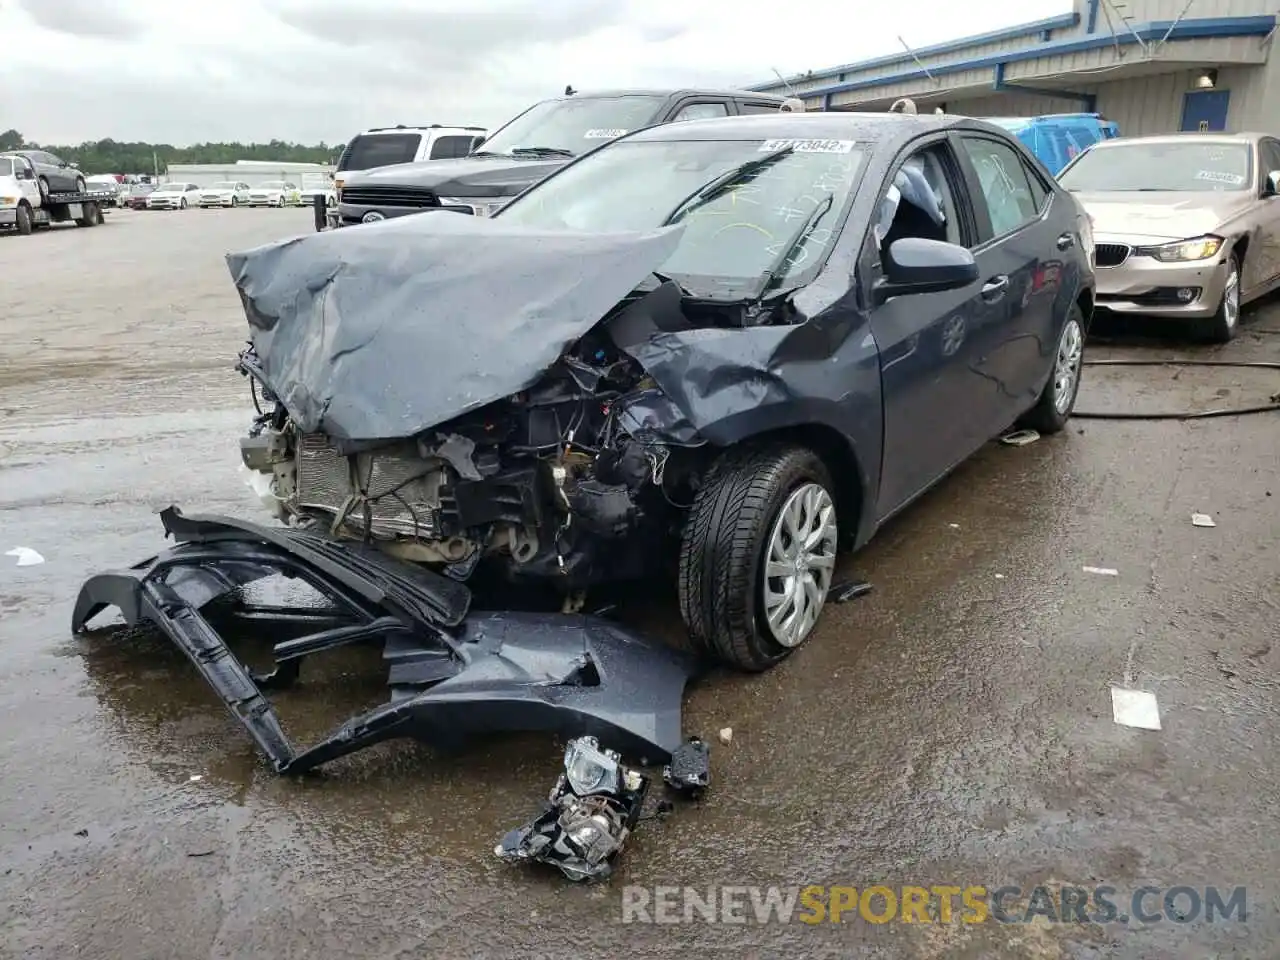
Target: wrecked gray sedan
{"points": [[713, 350]]}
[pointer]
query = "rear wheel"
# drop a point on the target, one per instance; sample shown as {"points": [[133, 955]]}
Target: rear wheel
{"points": [[758, 555], [1058, 399], [1222, 326], [44, 191]]}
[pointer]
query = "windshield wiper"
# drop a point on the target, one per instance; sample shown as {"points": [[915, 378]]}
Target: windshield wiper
{"points": [[542, 152], [488, 153], [709, 191], [778, 269]]}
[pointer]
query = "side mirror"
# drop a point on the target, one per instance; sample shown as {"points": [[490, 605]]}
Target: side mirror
{"points": [[65, 163], [916, 265], [1272, 186]]}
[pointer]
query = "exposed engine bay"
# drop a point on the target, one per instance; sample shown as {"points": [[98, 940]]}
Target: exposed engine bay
{"points": [[550, 482]]}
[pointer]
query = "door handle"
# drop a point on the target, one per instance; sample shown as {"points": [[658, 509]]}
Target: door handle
{"points": [[1066, 241], [994, 288]]}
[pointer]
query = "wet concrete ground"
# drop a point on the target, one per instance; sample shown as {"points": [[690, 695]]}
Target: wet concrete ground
{"points": [[954, 727]]}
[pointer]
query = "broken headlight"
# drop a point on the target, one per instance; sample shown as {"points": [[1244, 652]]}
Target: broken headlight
{"points": [[590, 769]]}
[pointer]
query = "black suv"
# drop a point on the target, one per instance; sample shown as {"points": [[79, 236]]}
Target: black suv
{"points": [[533, 145]]}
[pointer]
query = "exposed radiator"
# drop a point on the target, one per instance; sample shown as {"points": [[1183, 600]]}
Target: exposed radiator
{"points": [[325, 483]]}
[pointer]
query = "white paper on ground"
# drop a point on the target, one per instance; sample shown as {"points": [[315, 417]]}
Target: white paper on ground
{"points": [[1103, 571], [1202, 520], [26, 556], [1135, 708]]}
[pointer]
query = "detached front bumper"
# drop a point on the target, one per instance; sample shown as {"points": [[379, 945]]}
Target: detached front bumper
{"points": [[1144, 285], [452, 671]]}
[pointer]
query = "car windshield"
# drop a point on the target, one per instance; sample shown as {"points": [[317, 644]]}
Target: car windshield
{"points": [[573, 125], [379, 150], [143, 188], [224, 185], [272, 185], [766, 196], [1162, 167]]}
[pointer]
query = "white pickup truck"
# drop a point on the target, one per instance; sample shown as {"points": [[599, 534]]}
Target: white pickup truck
{"points": [[23, 209]]}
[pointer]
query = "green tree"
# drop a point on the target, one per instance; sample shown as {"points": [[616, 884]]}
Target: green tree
{"points": [[115, 156], [12, 140]]}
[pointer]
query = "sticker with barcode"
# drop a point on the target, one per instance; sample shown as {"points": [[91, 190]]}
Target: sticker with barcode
{"points": [[808, 146], [603, 133]]}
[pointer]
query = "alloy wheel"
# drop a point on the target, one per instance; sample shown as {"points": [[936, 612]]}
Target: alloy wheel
{"points": [[799, 564]]}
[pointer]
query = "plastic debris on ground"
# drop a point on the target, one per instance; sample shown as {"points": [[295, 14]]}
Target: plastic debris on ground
{"points": [[1102, 571], [1020, 438], [1202, 520], [848, 590], [689, 771], [26, 556], [1135, 708], [726, 735]]}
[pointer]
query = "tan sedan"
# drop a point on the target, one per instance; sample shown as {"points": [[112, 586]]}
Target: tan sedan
{"points": [[1185, 225]]}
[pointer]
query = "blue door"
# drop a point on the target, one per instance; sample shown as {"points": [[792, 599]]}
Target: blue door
{"points": [[1205, 111]]}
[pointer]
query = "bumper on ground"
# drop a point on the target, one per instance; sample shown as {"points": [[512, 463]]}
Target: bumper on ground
{"points": [[452, 671], [1143, 285]]}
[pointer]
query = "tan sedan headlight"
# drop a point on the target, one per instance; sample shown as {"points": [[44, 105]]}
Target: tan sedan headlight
{"points": [[1198, 248]]}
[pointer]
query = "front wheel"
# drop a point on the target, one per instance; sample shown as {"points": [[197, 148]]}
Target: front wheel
{"points": [[80, 187], [1058, 399], [182, 204], [24, 220], [758, 555], [44, 191], [1222, 326]]}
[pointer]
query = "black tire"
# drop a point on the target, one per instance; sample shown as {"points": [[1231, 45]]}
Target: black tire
{"points": [[1049, 415], [182, 204], [80, 185], [1222, 326], [725, 545], [24, 220], [43, 184]]}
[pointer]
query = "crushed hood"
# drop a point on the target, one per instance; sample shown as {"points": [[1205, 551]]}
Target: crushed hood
{"points": [[1165, 216], [384, 330]]}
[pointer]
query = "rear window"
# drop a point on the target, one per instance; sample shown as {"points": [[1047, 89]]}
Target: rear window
{"points": [[380, 150]]}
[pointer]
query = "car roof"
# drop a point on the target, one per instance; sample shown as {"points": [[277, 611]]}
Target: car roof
{"points": [[867, 127], [669, 92], [1243, 137]]}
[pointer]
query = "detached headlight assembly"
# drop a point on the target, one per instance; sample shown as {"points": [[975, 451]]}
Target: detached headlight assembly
{"points": [[1183, 251], [591, 770]]}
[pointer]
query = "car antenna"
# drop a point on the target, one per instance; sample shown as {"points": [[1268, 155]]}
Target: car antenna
{"points": [[569, 91]]}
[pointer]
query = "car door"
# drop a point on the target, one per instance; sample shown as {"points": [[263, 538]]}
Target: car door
{"points": [[59, 174], [937, 397], [1022, 240], [27, 181], [1265, 248]]}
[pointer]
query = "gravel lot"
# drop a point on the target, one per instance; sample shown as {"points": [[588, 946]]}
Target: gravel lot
{"points": [[954, 727]]}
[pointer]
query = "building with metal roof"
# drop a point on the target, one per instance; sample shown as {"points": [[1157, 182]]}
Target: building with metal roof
{"points": [[1153, 66]]}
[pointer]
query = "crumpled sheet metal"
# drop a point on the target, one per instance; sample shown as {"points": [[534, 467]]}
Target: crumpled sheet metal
{"points": [[384, 330]]}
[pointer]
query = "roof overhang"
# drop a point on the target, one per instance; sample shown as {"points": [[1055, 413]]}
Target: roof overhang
{"points": [[1155, 47]]}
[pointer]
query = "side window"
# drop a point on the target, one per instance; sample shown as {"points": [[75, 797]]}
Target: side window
{"points": [[1040, 191], [1270, 157], [701, 111], [920, 200], [1003, 180], [447, 148], [747, 107]]}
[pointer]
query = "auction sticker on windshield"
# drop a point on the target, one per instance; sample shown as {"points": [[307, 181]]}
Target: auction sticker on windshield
{"points": [[808, 146], [603, 134], [1220, 176]]}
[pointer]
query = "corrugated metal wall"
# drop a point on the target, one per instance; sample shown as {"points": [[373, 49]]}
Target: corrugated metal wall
{"points": [[1147, 105], [1143, 11]]}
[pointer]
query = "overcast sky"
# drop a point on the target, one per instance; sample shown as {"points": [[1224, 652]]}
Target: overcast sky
{"points": [[311, 70]]}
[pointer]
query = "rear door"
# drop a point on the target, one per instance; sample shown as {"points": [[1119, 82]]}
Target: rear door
{"points": [[1022, 241], [1268, 250]]}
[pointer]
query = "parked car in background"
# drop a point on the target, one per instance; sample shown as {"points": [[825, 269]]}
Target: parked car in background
{"points": [[275, 193], [1057, 138], [534, 144], [137, 196], [109, 182], [53, 174], [848, 306], [173, 196], [313, 187], [1187, 225], [225, 193]]}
